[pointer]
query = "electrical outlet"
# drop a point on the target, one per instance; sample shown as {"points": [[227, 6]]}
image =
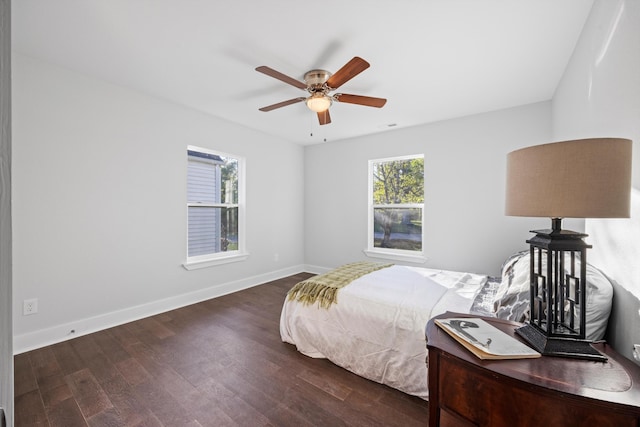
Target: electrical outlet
{"points": [[29, 306], [636, 352]]}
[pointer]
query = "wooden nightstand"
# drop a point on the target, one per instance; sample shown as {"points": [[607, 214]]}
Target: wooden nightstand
{"points": [[549, 391]]}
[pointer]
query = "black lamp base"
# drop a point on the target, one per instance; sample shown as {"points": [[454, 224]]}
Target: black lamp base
{"points": [[562, 347]]}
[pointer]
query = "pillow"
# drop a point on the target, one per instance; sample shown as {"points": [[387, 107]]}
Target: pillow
{"points": [[483, 301], [512, 297]]}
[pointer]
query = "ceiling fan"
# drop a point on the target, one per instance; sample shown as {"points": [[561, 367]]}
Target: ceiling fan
{"points": [[319, 83]]}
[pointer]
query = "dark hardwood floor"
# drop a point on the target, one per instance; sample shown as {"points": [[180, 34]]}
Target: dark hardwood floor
{"points": [[217, 363]]}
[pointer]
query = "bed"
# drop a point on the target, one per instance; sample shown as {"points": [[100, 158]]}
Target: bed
{"points": [[375, 326]]}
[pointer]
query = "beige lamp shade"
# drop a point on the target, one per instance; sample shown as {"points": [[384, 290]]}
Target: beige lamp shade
{"points": [[586, 178]]}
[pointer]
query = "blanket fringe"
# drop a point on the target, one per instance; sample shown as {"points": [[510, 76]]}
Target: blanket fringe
{"points": [[309, 293]]}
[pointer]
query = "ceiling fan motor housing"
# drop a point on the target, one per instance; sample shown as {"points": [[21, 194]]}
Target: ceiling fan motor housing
{"points": [[315, 79]]}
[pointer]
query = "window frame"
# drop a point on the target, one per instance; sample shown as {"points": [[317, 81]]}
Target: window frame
{"points": [[389, 253], [219, 258]]}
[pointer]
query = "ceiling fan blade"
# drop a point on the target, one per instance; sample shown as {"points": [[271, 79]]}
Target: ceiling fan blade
{"points": [[282, 77], [282, 104], [360, 100], [347, 72], [324, 117]]}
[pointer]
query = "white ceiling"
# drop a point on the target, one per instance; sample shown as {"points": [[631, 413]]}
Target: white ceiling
{"points": [[432, 59]]}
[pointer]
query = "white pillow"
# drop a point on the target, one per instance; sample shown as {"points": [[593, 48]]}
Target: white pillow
{"points": [[512, 298]]}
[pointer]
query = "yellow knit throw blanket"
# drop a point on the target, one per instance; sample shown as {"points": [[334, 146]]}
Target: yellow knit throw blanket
{"points": [[324, 287]]}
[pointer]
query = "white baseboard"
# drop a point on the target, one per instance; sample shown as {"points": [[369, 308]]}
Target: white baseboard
{"points": [[59, 333], [315, 269]]}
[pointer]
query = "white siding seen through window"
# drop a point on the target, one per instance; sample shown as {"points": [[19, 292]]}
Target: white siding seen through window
{"points": [[214, 195]]}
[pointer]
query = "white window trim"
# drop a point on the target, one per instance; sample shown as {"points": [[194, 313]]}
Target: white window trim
{"points": [[385, 253], [397, 255], [220, 258], [193, 263]]}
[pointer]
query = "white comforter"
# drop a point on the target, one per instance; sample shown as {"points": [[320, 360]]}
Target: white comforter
{"points": [[376, 328]]}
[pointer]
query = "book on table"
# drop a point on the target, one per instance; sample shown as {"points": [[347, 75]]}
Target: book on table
{"points": [[485, 340]]}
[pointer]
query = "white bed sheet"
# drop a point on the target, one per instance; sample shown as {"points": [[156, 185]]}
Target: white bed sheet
{"points": [[376, 328]]}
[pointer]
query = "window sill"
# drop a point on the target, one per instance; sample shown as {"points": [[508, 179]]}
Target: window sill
{"points": [[397, 256], [212, 262]]}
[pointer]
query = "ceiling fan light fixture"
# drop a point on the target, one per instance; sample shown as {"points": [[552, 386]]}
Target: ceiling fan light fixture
{"points": [[319, 84], [319, 102]]}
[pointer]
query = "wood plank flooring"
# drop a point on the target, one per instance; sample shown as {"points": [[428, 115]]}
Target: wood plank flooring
{"points": [[216, 363]]}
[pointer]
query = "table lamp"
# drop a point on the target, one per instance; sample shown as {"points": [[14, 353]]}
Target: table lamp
{"points": [[586, 178]]}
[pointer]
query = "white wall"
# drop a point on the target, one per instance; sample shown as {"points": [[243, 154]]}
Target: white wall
{"points": [[599, 95], [465, 161], [99, 186]]}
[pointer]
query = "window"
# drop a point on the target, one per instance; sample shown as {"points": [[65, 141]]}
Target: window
{"points": [[215, 208], [396, 207]]}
